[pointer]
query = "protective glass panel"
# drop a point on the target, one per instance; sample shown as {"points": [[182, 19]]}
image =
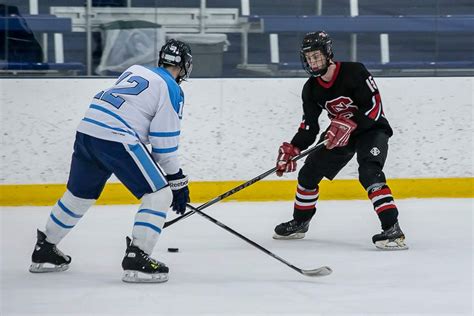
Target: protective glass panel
{"points": [[235, 38]]}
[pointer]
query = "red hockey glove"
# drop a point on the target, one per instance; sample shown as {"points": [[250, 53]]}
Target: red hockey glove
{"points": [[339, 132], [284, 163]]}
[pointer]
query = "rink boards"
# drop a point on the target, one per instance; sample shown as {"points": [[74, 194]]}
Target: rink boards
{"points": [[231, 130], [116, 193]]}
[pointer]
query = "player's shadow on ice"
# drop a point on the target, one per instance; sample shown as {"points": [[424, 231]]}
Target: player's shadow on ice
{"points": [[346, 246], [322, 244]]}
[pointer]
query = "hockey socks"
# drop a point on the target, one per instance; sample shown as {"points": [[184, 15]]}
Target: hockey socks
{"points": [[382, 199], [304, 209], [392, 237], [65, 214], [305, 203], [150, 219]]}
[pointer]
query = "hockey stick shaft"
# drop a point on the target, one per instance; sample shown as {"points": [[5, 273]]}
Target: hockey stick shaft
{"points": [[322, 271], [242, 186]]}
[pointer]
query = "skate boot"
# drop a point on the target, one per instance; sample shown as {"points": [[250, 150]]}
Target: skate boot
{"points": [[291, 230], [390, 239], [140, 268], [47, 257]]}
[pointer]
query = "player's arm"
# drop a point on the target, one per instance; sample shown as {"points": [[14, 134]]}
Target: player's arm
{"points": [[164, 138], [367, 98], [306, 135], [309, 126], [165, 130]]}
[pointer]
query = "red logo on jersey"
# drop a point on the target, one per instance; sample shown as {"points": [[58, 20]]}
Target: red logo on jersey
{"points": [[340, 105]]}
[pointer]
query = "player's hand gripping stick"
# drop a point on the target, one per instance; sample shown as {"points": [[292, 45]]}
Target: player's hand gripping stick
{"points": [[179, 186], [242, 186], [339, 131], [285, 161]]}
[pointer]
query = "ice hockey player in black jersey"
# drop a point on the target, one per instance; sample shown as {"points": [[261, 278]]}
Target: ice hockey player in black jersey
{"points": [[347, 91]]}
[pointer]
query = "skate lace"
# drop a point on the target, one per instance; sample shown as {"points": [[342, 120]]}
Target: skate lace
{"points": [[392, 232], [148, 258], [59, 252], [293, 223]]}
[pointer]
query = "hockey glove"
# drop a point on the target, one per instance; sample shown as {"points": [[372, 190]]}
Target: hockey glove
{"points": [[339, 131], [286, 152], [179, 186]]}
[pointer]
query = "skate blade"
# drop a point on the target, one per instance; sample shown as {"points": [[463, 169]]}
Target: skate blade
{"points": [[289, 237], [140, 277], [47, 267], [396, 244]]}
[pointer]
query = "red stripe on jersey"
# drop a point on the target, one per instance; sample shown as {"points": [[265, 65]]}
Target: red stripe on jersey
{"points": [[385, 191], [329, 84], [375, 111], [385, 207], [305, 208]]}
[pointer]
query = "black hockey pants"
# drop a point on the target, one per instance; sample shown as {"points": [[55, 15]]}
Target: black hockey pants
{"points": [[371, 148]]}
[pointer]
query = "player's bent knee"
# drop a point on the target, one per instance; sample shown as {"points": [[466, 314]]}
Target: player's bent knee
{"points": [[308, 181], [158, 200], [369, 175], [77, 204]]}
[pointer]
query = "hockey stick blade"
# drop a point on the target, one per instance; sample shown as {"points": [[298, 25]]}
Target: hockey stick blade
{"points": [[319, 272]]}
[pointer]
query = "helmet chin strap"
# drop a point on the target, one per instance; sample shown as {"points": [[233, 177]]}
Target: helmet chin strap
{"points": [[323, 71], [181, 75], [329, 62]]}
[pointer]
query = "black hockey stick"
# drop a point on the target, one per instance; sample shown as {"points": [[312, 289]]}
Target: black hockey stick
{"points": [[242, 186], [318, 272]]}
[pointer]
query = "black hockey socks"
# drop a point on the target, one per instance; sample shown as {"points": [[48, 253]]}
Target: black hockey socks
{"points": [[305, 203], [304, 210], [384, 206]]}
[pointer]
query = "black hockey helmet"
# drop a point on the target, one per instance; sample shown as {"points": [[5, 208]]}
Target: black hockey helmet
{"points": [[312, 41], [177, 53]]}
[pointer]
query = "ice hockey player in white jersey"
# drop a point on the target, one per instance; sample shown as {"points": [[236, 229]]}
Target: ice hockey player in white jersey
{"points": [[144, 106]]}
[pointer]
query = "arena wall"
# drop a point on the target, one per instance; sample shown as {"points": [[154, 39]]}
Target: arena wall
{"points": [[231, 131]]}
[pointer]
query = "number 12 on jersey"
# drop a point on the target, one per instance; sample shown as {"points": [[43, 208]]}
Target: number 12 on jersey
{"points": [[112, 96]]}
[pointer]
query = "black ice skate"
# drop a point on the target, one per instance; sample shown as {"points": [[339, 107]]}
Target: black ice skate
{"points": [[390, 239], [291, 230], [47, 257], [140, 268]]}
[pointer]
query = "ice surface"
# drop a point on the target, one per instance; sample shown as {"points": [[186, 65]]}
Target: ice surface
{"points": [[215, 273]]}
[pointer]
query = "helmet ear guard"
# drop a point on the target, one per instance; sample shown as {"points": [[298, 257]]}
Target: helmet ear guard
{"points": [[178, 54], [312, 41]]}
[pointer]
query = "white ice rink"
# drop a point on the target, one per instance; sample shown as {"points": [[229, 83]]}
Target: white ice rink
{"points": [[216, 273]]}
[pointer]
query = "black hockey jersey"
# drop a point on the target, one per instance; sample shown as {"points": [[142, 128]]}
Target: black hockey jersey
{"points": [[352, 92]]}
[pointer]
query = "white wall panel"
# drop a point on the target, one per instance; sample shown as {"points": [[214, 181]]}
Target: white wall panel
{"points": [[233, 127]]}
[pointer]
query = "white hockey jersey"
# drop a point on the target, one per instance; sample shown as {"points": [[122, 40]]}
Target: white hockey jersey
{"points": [[144, 105]]}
